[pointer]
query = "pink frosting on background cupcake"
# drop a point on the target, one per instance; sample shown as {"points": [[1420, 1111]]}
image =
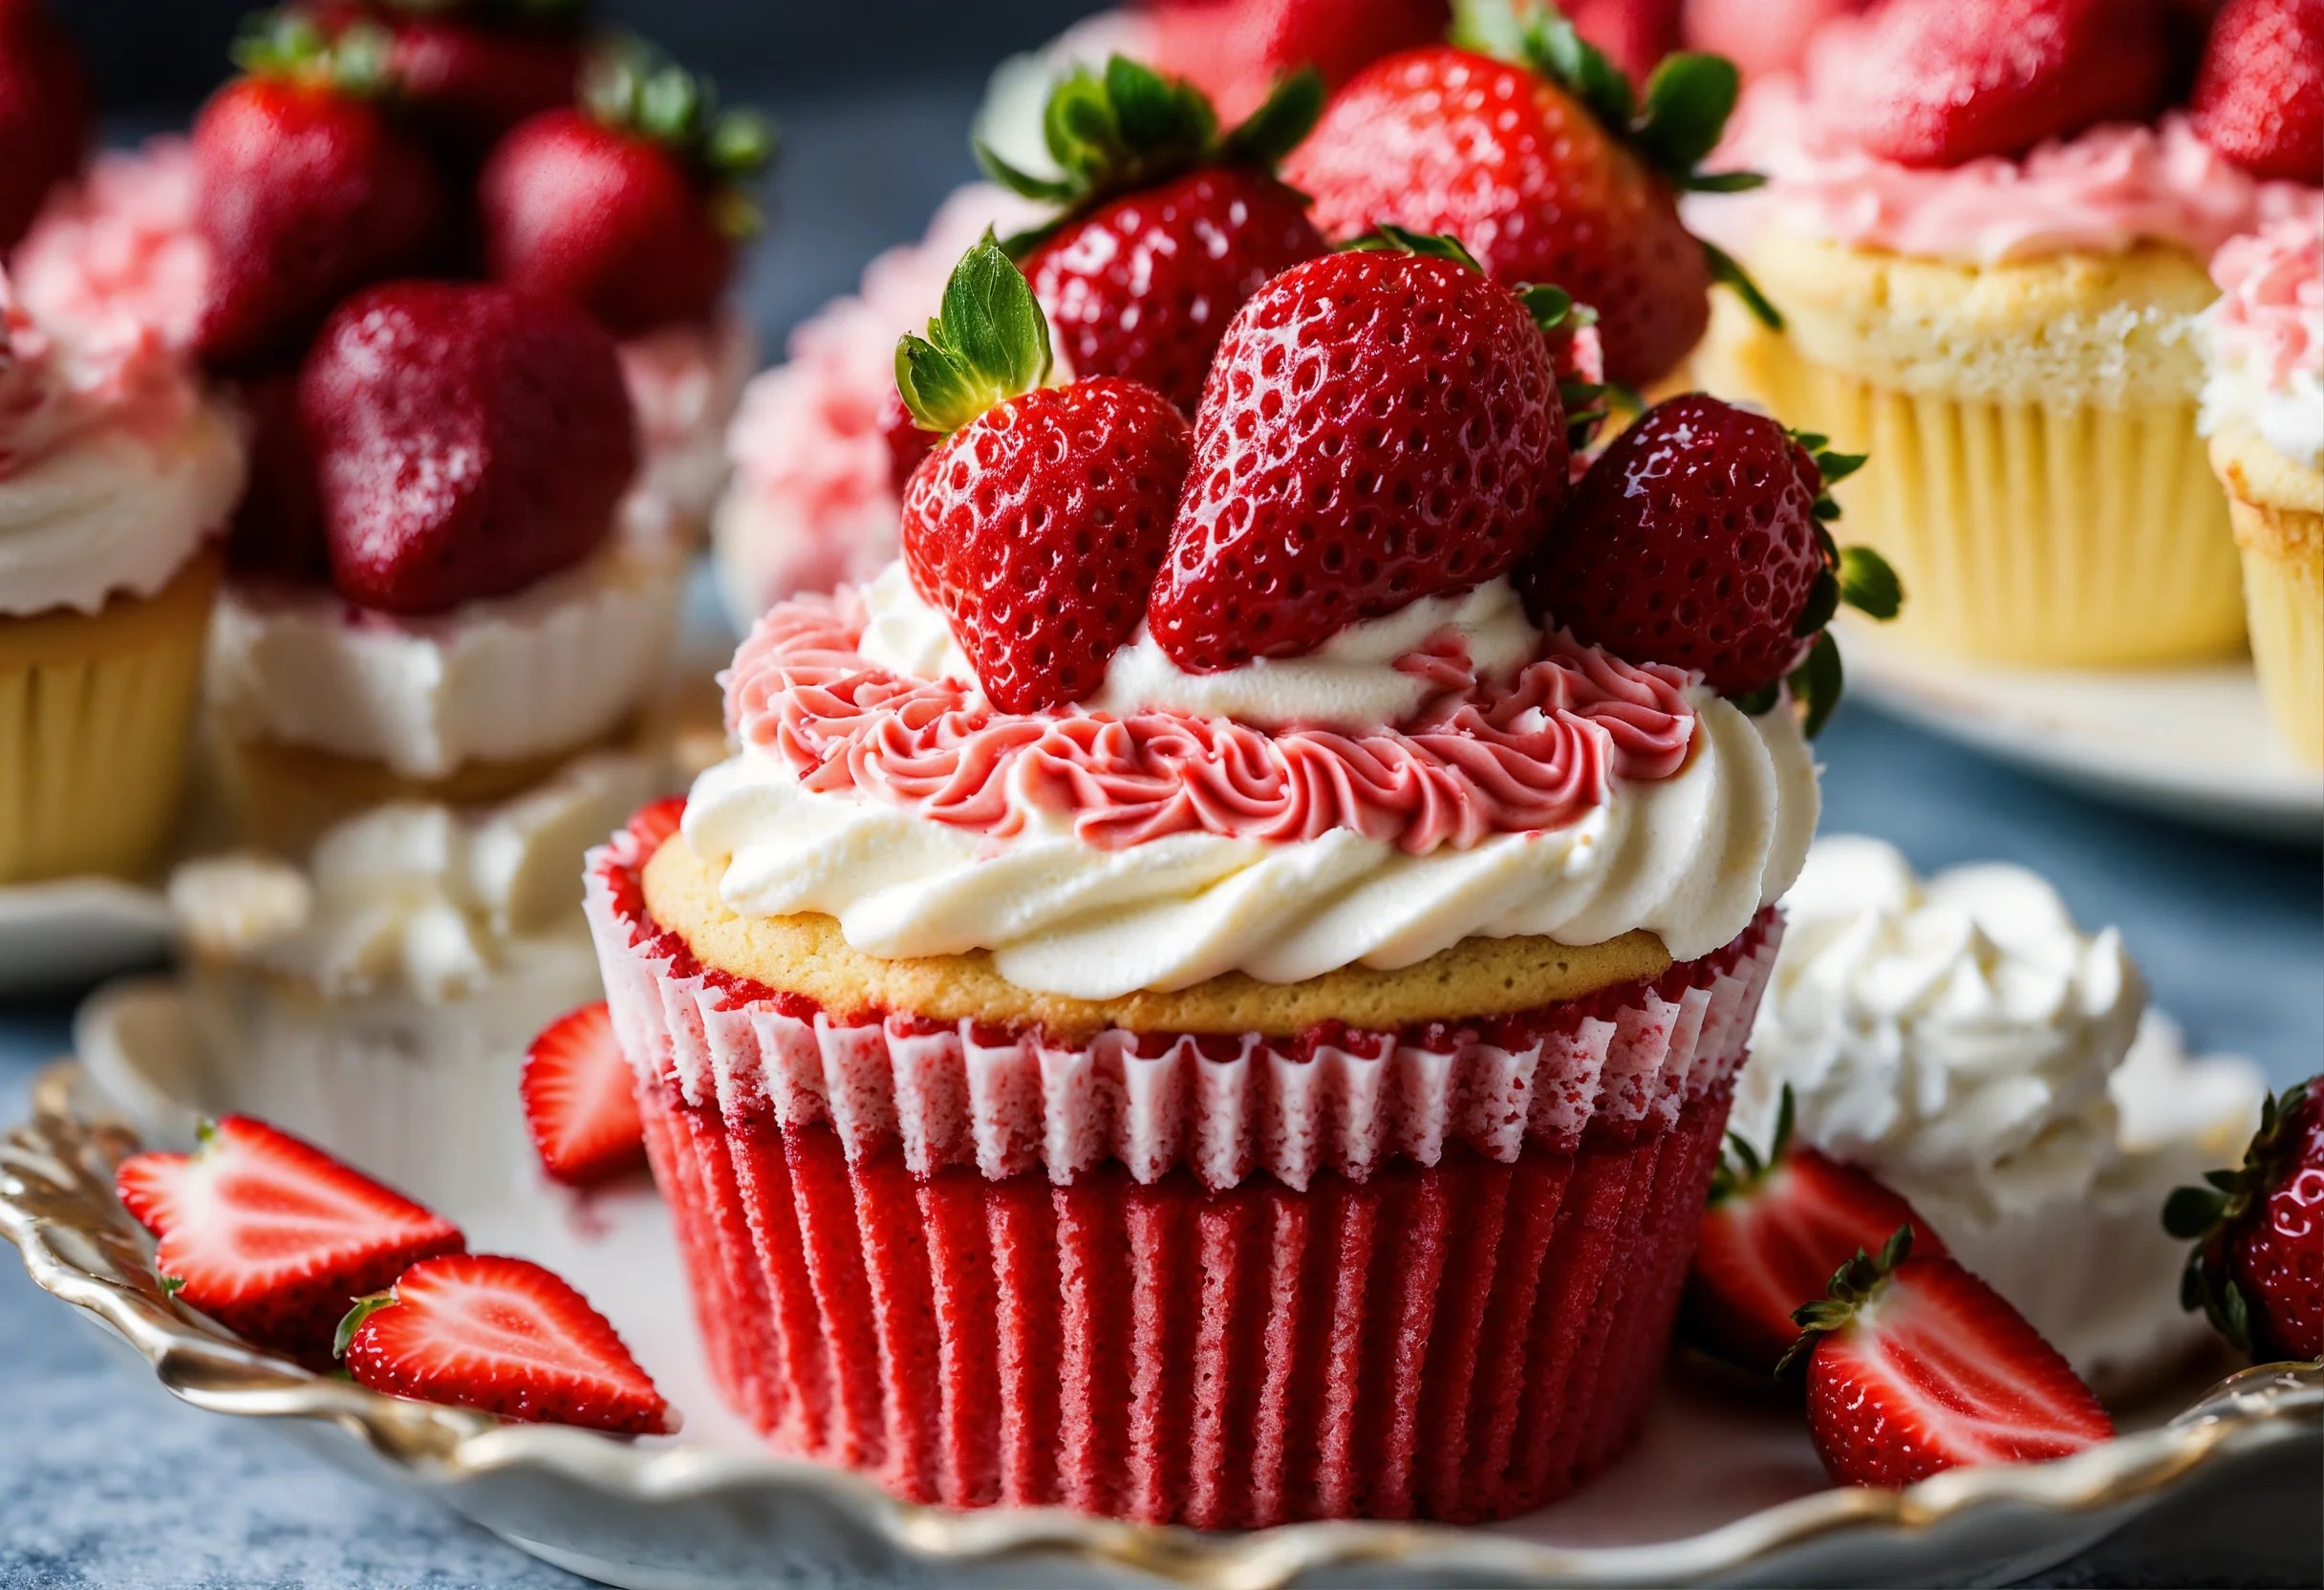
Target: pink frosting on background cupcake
{"points": [[2270, 317], [120, 244]]}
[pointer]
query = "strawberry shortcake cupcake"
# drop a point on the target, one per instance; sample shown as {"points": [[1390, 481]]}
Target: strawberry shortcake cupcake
{"points": [[1210, 990], [1987, 227]]}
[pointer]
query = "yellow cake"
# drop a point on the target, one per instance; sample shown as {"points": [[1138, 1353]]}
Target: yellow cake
{"points": [[2278, 510]]}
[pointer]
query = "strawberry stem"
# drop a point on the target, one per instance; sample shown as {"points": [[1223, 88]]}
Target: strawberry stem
{"points": [[1853, 1284], [989, 342], [2205, 1215], [352, 1321], [1387, 239], [633, 88], [288, 45]]}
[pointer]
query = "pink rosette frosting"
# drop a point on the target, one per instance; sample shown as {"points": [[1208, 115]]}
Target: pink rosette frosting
{"points": [[1539, 752], [55, 390], [2270, 317], [2099, 191], [121, 245]]}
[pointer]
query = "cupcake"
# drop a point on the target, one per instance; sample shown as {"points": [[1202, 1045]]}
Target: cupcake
{"points": [[1991, 286], [1962, 1040], [377, 995], [1205, 1024], [116, 477], [2263, 410]]}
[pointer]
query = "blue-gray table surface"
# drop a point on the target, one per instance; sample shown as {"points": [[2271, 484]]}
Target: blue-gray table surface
{"points": [[105, 1481]]}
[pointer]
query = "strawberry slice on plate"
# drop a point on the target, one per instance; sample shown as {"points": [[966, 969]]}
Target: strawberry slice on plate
{"points": [[1914, 1367], [578, 1102], [271, 1236], [1776, 1231], [506, 1336]]}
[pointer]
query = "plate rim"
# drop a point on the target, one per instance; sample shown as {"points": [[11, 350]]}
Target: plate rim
{"points": [[78, 1244]]}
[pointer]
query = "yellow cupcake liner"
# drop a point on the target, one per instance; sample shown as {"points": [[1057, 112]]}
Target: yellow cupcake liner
{"points": [[2283, 564], [2061, 536], [95, 713]]}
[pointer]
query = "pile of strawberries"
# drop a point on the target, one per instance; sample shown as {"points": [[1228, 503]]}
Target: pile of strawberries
{"points": [[44, 113], [1272, 439], [421, 246]]}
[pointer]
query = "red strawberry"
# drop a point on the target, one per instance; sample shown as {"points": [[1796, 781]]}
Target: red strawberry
{"points": [[506, 1336], [578, 1103], [1168, 226], [2257, 1268], [908, 445], [1635, 34], [270, 1236], [1381, 425], [1776, 1231], [1037, 523], [472, 70], [1697, 539], [1942, 82], [652, 824], [1914, 1367], [1532, 151], [307, 192], [278, 526], [631, 207], [44, 115], [1238, 50], [2259, 93], [470, 440]]}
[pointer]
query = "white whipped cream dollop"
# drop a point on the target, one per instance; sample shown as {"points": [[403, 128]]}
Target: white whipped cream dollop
{"points": [[1350, 679], [427, 899], [553, 666], [1965, 1041]]}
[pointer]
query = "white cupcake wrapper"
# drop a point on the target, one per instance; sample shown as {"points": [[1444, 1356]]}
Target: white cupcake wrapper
{"points": [[1622, 1062]]}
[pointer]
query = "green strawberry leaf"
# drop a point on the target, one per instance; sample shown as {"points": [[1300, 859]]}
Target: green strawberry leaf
{"points": [[1867, 584], [1816, 684], [1048, 190], [1729, 272], [1281, 123], [353, 1319], [634, 87], [1387, 238], [1550, 307], [989, 342], [1823, 601], [1688, 99]]}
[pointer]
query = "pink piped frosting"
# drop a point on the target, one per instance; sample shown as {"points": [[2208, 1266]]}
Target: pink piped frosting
{"points": [[2270, 317], [1477, 758], [2100, 191], [120, 244], [60, 384]]}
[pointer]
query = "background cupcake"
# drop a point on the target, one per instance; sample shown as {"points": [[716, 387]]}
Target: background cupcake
{"points": [[2263, 410], [116, 476], [1991, 284]]}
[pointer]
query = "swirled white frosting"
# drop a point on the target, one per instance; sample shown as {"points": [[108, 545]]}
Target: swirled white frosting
{"points": [[427, 899], [1691, 857], [1349, 680], [555, 666], [1963, 1041]]}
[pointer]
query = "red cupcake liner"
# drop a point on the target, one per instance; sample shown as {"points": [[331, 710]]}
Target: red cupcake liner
{"points": [[1464, 1342]]}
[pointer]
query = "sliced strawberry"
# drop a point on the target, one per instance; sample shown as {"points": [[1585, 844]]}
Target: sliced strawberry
{"points": [[1036, 525], [1776, 1231], [270, 1236], [1381, 425], [1914, 1367], [2259, 93], [578, 1102], [1939, 82], [506, 1336]]}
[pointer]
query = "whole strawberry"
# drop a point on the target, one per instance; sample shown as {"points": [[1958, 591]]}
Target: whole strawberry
{"points": [[307, 189], [1381, 425], [1238, 50], [1943, 81], [471, 69], [1532, 148], [469, 438], [44, 113], [631, 206], [2259, 93], [1698, 539], [1036, 525], [1167, 227], [278, 525], [2257, 1268]]}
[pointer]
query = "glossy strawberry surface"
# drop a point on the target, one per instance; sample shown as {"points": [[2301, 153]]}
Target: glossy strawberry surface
{"points": [[2259, 93]]}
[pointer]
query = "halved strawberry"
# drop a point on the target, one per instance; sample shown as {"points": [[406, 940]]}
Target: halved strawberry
{"points": [[1914, 1365], [271, 1236], [506, 1336], [1776, 1231], [578, 1103]]}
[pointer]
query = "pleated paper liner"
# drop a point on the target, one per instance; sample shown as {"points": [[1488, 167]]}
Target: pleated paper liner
{"points": [[2282, 548]]}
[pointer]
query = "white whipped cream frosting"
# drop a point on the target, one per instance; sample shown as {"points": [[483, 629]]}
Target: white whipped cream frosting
{"points": [[1690, 858], [1349, 680], [1965, 1041], [116, 511], [555, 666], [428, 900]]}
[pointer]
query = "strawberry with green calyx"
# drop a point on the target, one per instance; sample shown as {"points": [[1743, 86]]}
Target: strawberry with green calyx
{"points": [[1913, 1366], [1036, 525], [1306, 514], [472, 70], [632, 205], [1167, 224], [307, 186], [2257, 1266], [1527, 142], [1701, 538]]}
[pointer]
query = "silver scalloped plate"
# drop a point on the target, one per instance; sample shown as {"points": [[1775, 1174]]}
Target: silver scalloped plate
{"points": [[680, 1516]]}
